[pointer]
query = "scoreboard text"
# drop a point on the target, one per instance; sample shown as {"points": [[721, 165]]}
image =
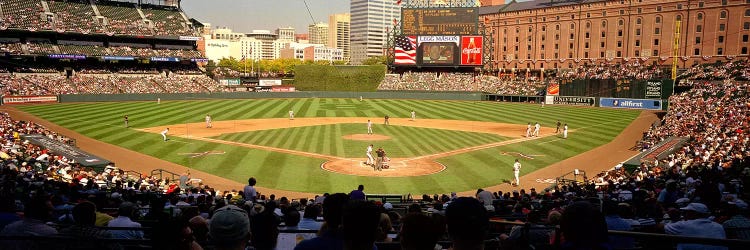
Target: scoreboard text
{"points": [[445, 21]]}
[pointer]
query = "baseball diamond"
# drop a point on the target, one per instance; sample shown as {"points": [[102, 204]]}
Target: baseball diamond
{"points": [[455, 145]]}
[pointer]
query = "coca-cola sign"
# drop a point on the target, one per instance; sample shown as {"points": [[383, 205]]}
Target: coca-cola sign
{"points": [[471, 50]]}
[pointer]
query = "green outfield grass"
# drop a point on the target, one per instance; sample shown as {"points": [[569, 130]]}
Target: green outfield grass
{"points": [[405, 141], [103, 121]]}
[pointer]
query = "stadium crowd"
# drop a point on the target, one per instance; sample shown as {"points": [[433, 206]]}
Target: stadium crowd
{"points": [[80, 17], [697, 191], [431, 81], [630, 70], [732, 70], [96, 82]]}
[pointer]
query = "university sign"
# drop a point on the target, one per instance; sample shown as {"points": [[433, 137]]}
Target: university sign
{"points": [[574, 100]]}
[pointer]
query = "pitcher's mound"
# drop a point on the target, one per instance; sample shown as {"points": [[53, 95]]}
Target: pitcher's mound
{"points": [[396, 167], [366, 137]]}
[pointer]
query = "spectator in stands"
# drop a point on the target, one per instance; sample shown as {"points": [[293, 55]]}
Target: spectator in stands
{"points": [[420, 232], [7, 211], [696, 224], [538, 234], [125, 214], [264, 228], [359, 224], [738, 226], [485, 197], [384, 228], [615, 222], [84, 214], [468, 223], [250, 194], [36, 212], [229, 228], [583, 227], [358, 194], [330, 235], [309, 220]]}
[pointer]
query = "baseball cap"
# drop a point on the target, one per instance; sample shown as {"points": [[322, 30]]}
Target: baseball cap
{"points": [[388, 206], [229, 223], [696, 207]]}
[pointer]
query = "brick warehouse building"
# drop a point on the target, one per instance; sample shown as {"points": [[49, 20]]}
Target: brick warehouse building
{"points": [[567, 33]]}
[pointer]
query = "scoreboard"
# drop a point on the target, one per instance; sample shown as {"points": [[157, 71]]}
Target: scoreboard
{"points": [[439, 22]]}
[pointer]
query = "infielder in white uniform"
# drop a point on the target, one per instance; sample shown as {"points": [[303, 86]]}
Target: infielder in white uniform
{"points": [[208, 121], [164, 134], [291, 115], [369, 127], [565, 131], [516, 171], [528, 130], [536, 129], [370, 159], [413, 115]]}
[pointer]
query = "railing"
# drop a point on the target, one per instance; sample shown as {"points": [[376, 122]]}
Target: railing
{"points": [[160, 173]]}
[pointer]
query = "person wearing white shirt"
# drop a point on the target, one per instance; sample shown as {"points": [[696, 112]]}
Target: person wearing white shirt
{"points": [[164, 133], [516, 171], [126, 211], [370, 159]]}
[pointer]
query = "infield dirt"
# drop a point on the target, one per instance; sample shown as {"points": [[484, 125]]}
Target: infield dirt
{"points": [[592, 162]]}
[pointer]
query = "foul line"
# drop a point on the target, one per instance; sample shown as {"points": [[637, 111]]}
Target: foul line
{"points": [[430, 156]]}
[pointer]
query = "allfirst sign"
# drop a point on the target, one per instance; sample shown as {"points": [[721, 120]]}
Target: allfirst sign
{"points": [[625, 103]]}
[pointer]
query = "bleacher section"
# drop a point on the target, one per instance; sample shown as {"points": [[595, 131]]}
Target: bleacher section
{"points": [[23, 14], [82, 50], [41, 49], [75, 17], [123, 20], [11, 48], [168, 22]]}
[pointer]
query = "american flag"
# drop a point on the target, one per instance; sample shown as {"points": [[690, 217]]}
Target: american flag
{"points": [[406, 50]]}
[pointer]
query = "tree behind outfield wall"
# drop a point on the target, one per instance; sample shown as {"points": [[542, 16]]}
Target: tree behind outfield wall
{"points": [[338, 78]]}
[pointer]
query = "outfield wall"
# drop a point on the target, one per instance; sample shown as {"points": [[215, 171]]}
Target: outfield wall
{"points": [[463, 96]]}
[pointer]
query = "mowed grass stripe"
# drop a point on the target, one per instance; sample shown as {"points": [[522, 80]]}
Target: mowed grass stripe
{"points": [[597, 126]]}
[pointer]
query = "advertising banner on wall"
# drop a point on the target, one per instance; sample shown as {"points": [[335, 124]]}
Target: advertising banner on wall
{"points": [[553, 89], [574, 100], [437, 50], [230, 81], [29, 99], [283, 89], [471, 50], [269, 82], [626, 103], [653, 89]]}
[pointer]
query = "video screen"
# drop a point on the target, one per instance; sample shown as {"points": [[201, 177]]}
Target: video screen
{"points": [[439, 53]]}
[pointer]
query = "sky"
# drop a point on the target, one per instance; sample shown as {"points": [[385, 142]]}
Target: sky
{"points": [[247, 15]]}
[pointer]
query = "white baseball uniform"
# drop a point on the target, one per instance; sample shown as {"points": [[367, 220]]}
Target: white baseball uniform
{"points": [[516, 171], [369, 127], [208, 121], [528, 130], [565, 132], [413, 115], [370, 159], [164, 134], [291, 115], [536, 129]]}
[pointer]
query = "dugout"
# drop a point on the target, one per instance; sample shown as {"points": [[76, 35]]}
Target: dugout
{"points": [[514, 98]]}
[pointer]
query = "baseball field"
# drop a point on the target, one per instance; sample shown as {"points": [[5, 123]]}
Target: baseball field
{"points": [[451, 146]]}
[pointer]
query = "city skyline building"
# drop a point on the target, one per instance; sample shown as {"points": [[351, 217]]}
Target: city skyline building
{"points": [[339, 31], [318, 33], [371, 21]]}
